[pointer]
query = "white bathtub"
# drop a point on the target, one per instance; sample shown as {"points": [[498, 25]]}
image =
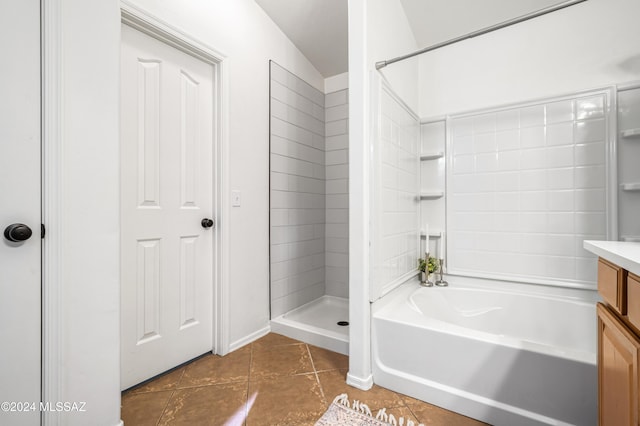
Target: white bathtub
{"points": [[482, 349]]}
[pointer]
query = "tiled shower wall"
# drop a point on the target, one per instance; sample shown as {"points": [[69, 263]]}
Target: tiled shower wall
{"points": [[309, 214], [395, 216], [527, 186], [337, 188], [297, 192]]}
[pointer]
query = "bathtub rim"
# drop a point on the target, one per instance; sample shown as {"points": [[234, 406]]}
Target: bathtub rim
{"points": [[395, 307]]}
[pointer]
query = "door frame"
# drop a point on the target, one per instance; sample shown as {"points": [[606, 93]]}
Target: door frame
{"points": [[150, 25], [53, 183]]}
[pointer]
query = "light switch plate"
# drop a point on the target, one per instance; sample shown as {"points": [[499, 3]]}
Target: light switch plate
{"points": [[235, 198]]}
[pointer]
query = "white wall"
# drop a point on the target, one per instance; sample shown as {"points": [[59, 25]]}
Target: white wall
{"points": [[241, 30], [388, 36], [87, 235], [585, 46]]}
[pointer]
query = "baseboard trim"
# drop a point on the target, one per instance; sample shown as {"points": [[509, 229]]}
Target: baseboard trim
{"points": [[360, 383], [249, 338]]}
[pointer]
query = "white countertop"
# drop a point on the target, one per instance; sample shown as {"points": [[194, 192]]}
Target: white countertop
{"points": [[623, 254]]}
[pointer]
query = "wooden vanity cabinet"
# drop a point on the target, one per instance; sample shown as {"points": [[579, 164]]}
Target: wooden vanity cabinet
{"points": [[618, 346], [618, 351]]}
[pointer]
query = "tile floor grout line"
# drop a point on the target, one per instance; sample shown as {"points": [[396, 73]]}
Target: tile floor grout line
{"points": [[173, 392], [313, 365]]}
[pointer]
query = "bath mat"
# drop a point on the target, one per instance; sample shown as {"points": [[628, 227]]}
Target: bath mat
{"points": [[341, 413]]}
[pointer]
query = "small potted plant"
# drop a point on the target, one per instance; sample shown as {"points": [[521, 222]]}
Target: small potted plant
{"points": [[427, 268]]}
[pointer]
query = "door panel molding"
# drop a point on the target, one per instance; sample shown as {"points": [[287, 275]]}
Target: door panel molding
{"points": [[52, 208], [152, 26]]}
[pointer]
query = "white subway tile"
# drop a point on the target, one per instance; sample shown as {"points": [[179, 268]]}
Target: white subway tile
{"points": [[337, 216], [561, 201], [339, 260], [560, 222], [590, 131], [590, 154], [279, 252], [532, 116], [485, 123], [463, 145], [533, 180], [508, 119], [560, 134], [337, 171], [509, 181], [533, 201], [464, 164], [487, 162], [561, 111], [336, 230], [336, 157], [533, 159], [462, 126], [338, 112], [592, 107], [533, 223], [507, 201], [590, 200], [508, 140], [508, 160], [484, 142], [337, 186], [337, 201], [337, 142], [532, 137], [336, 98], [334, 128], [562, 268], [560, 178], [337, 245], [279, 217], [590, 177], [560, 156], [560, 245]]}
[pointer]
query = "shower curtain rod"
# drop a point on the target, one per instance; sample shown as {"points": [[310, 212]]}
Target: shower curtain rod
{"points": [[482, 31]]}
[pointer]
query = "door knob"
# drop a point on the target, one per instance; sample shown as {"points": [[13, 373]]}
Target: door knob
{"points": [[207, 223], [17, 232]]}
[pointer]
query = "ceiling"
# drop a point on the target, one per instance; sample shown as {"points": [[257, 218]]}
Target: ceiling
{"points": [[319, 27]]}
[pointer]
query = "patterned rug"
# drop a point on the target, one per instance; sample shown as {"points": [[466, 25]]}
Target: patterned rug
{"points": [[341, 413]]}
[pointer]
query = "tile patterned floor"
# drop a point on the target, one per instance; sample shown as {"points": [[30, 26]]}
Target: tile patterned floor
{"points": [[273, 381]]}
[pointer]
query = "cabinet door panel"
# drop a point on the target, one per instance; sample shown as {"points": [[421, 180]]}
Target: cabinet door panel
{"points": [[610, 285], [618, 351]]}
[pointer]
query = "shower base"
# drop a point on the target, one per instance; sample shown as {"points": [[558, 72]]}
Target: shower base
{"points": [[316, 323]]}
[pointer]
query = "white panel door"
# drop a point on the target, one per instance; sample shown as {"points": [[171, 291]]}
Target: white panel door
{"points": [[166, 191], [20, 204]]}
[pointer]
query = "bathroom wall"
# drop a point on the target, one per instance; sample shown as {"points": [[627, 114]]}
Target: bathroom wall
{"points": [[585, 46], [526, 186], [309, 191], [394, 193], [337, 193], [297, 192]]}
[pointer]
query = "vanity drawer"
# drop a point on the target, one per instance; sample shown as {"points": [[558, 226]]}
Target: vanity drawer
{"points": [[612, 286], [633, 300]]}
